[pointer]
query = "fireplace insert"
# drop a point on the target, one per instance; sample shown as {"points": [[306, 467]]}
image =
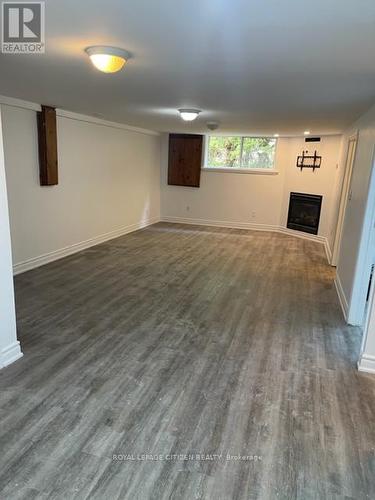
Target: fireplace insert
{"points": [[304, 212]]}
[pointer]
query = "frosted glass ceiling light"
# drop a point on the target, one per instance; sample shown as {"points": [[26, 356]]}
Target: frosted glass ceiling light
{"points": [[107, 59], [188, 115]]}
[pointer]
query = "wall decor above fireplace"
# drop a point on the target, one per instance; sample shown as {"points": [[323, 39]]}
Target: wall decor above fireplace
{"points": [[304, 212], [309, 161]]}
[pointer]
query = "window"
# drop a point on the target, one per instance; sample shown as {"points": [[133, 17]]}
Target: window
{"points": [[241, 152]]}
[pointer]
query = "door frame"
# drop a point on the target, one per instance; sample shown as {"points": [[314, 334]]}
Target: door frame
{"points": [[345, 196], [357, 306]]}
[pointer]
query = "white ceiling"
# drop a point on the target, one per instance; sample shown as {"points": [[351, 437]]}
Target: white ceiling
{"points": [[256, 66]]}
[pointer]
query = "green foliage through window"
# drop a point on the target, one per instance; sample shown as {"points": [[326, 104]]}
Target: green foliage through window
{"points": [[241, 152]]}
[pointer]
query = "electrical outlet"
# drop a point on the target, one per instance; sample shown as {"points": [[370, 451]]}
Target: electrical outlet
{"points": [[187, 208], [253, 214]]}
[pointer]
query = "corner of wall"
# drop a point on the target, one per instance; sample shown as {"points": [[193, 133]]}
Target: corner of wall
{"points": [[10, 354], [366, 363], [341, 296], [9, 346]]}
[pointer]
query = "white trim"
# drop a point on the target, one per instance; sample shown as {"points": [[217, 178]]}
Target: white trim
{"points": [[344, 198], [368, 328], [217, 223], [217, 133], [62, 113], [19, 103], [247, 225], [41, 260], [366, 363], [302, 235], [365, 256], [327, 248], [258, 171], [341, 295], [10, 354]]}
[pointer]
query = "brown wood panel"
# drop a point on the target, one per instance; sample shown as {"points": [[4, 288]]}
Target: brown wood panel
{"points": [[47, 140], [185, 159]]}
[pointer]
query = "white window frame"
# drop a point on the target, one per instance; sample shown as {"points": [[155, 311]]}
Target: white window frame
{"points": [[240, 170]]}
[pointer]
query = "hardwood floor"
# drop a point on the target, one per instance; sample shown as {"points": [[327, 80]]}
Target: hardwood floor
{"points": [[186, 340]]}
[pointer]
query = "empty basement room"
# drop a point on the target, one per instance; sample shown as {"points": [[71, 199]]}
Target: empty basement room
{"points": [[187, 247]]}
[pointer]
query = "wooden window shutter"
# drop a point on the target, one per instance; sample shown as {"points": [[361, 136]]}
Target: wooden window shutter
{"points": [[185, 159]]}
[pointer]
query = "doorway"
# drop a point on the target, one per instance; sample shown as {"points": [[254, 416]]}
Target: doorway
{"points": [[345, 196], [359, 304]]}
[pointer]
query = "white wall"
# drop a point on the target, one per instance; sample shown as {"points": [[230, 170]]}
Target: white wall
{"points": [[9, 346], [247, 200], [321, 182], [109, 184], [225, 197], [354, 240], [366, 361]]}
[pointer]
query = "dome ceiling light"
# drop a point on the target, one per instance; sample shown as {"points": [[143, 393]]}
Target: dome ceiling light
{"points": [[107, 59], [189, 115]]}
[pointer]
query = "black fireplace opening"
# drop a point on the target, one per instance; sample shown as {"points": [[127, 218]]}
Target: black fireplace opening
{"points": [[304, 212]]}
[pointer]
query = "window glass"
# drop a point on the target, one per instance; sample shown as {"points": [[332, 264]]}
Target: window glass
{"points": [[258, 152], [241, 152], [224, 152]]}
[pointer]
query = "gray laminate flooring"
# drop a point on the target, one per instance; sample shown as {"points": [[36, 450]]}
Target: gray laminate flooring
{"points": [[221, 353]]}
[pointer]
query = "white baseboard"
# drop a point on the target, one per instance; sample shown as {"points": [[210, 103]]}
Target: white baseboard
{"points": [[341, 295], [304, 236], [366, 363], [10, 354], [41, 260], [217, 223], [34, 262], [328, 250], [251, 226]]}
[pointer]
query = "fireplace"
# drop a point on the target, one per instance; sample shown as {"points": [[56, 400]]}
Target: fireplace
{"points": [[304, 212]]}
